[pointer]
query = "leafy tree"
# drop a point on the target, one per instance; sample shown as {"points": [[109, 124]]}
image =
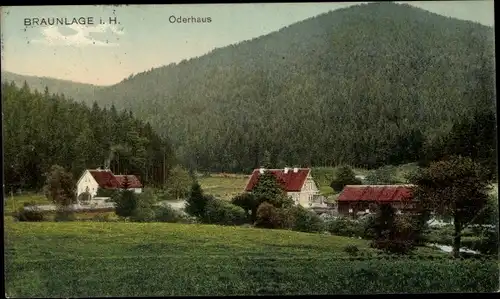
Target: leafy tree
{"points": [[178, 182], [456, 187], [268, 216], [395, 233], [344, 176], [248, 203], [196, 202], [59, 186]]}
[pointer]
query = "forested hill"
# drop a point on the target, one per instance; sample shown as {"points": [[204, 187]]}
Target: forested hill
{"points": [[41, 130], [80, 91], [365, 85]]}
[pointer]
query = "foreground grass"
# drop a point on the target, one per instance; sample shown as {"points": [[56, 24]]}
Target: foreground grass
{"points": [[82, 259]]}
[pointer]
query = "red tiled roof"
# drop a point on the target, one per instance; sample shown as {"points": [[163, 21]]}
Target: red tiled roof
{"points": [[132, 179], [290, 181], [375, 193], [107, 180]]}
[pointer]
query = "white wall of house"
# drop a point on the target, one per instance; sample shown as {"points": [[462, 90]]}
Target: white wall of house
{"points": [[306, 195], [87, 183]]}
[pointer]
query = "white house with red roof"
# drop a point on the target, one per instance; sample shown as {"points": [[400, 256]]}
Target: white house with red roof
{"points": [[297, 182], [93, 179]]}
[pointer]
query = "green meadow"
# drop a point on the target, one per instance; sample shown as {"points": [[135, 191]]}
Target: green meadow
{"points": [[86, 259]]}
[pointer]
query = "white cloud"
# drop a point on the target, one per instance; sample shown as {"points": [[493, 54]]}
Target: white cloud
{"points": [[52, 36]]}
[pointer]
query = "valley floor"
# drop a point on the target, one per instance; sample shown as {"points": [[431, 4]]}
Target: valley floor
{"points": [[86, 259]]}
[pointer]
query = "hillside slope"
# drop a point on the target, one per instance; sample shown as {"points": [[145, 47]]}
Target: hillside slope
{"points": [[365, 85], [80, 91]]}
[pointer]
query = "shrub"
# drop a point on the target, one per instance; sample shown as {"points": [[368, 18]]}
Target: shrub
{"points": [[148, 194], [167, 214], [247, 202], [268, 216], [305, 220], [126, 201], [286, 218], [144, 211], [343, 226], [367, 227], [393, 245], [164, 195], [32, 215], [486, 243], [221, 212], [143, 214], [351, 249], [395, 233]]}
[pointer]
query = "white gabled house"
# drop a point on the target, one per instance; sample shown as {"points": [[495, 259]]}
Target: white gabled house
{"points": [[297, 182], [93, 179]]}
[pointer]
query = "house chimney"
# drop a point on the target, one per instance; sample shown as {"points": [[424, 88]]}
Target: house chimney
{"points": [[295, 170], [286, 170]]}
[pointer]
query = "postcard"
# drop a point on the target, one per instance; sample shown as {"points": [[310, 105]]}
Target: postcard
{"points": [[249, 149]]}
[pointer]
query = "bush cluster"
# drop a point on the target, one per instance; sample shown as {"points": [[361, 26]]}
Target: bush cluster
{"points": [[32, 215], [295, 218], [224, 213]]}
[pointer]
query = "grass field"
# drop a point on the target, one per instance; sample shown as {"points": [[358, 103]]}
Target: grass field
{"points": [[223, 187], [84, 259]]}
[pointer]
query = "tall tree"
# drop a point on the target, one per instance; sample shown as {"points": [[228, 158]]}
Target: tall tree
{"points": [[178, 182], [344, 175], [456, 187], [59, 186], [196, 202], [270, 189]]}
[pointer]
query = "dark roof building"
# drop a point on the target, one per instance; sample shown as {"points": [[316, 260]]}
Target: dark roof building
{"points": [[377, 193], [359, 198]]}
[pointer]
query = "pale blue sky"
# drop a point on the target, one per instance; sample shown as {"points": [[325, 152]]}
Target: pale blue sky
{"points": [[145, 38]]}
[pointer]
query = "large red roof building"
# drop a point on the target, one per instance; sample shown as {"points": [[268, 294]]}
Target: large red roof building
{"points": [[358, 198], [296, 182]]}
